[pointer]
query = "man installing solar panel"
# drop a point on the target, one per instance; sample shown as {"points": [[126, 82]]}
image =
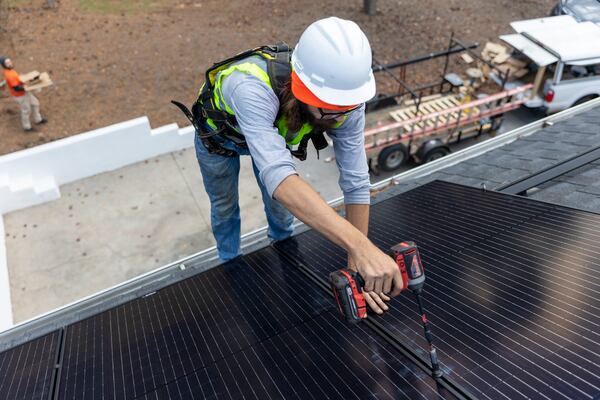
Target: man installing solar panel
{"points": [[268, 103]]}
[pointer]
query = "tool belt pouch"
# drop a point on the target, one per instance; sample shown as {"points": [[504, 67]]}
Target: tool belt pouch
{"points": [[203, 133], [318, 140]]}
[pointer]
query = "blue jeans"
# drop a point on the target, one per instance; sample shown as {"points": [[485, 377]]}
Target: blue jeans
{"points": [[220, 175]]}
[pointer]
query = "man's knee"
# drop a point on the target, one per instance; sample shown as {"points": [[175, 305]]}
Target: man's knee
{"points": [[34, 101], [224, 205], [25, 111]]}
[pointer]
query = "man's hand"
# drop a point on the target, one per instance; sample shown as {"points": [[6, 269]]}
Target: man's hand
{"points": [[379, 271], [377, 301]]}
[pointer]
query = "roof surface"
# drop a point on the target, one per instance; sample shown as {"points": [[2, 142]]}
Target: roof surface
{"points": [[528, 155]]}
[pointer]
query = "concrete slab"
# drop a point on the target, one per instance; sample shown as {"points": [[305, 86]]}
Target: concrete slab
{"points": [[117, 225]]}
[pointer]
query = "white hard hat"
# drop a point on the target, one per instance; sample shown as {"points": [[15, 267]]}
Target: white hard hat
{"points": [[333, 60]]}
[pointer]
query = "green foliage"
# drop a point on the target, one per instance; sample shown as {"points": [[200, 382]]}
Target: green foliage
{"points": [[17, 3], [116, 6]]}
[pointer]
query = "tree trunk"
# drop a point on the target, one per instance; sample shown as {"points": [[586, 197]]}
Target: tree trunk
{"points": [[370, 8]]}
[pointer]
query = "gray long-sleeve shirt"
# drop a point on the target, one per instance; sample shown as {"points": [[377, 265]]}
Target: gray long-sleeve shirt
{"points": [[256, 106]]}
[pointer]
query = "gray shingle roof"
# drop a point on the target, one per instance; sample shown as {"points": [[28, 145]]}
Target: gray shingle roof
{"points": [[528, 155]]}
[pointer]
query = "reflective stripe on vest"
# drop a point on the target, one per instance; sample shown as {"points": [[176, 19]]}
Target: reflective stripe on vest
{"points": [[250, 68]]}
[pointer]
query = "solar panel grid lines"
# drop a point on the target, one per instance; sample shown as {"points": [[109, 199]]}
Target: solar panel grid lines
{"points": [[556, 328], [567, 324], [408, 331], [303, 363], [524, 354], [451, 196], [26, 370], [570, 292], [584, 246], [558, 321], [154, 340], [454, 230], [579, 244], [436, 330], [574, 221], [563, 370], [559, 302], [413, 213], [464, 227]]}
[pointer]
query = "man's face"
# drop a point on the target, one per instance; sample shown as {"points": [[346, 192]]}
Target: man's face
{"points": [[8, 63]]}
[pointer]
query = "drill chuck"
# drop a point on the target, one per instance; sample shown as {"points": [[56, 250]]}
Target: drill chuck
{"points": [[408, 259]]}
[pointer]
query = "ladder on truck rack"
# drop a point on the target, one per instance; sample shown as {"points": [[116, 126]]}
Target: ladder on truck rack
{"points": [[442, 115], [429, 105]]}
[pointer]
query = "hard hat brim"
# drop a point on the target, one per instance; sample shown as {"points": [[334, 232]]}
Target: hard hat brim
{"points": [[302, 93], [341, 97]]}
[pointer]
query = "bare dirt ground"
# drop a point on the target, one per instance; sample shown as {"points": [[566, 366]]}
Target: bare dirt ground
{"points": [[112, 63]]}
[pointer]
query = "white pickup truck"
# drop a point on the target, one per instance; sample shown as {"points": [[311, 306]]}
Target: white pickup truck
{"points": [[566, 55]]}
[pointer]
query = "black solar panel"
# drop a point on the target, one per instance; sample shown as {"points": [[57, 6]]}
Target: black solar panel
{"points": [[438, 216], [513, 298], [219, 334], [319, 359], [26, 370], [512, 292]]}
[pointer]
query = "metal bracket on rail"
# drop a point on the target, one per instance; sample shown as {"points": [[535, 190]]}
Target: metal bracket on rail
{"points": [[521, 186]]}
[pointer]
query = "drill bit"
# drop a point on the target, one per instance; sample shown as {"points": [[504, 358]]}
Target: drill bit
{"points": [[436, 372]]}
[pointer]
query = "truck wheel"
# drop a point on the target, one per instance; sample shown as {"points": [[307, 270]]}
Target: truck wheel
{"points": [[392, 157], [584, 99], [434, 154]]}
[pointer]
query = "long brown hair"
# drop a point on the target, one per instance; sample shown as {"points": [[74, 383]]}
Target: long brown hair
{"points": [[296, 112]]}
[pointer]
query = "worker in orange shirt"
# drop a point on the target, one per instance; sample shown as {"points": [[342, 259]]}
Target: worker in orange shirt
{"points": [[27, 101]]}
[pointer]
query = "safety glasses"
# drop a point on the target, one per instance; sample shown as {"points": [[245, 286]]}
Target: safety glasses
{"points": [[335, 114]]}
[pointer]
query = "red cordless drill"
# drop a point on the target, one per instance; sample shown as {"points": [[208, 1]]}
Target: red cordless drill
{"points": [[347, 288]]}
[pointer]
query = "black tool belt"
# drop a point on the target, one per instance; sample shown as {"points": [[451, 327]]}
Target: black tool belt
{"points": [[199, 115], [198, 119]]}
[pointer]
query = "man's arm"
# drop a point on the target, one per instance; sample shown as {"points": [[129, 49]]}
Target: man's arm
{"points": [[358, 215], [379, 271], [255, 106], [349, 146]]}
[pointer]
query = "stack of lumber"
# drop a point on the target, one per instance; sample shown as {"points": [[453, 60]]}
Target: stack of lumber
{"points": [[35, 80], [501, 57]]}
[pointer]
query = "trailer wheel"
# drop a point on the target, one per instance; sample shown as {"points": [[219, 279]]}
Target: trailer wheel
{"points": [[497, 122], [434, 154], [392, 157]]}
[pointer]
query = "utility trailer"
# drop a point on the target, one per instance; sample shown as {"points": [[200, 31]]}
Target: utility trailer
{"points": [[421, 122]]}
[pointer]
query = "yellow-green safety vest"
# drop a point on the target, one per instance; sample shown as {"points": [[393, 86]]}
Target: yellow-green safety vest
{"points": [[250, 68]]}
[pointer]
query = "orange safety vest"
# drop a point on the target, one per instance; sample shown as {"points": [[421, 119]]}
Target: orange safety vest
{"points": [[12, 79]]}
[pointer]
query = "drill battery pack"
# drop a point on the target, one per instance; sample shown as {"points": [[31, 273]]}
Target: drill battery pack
{"points": [[347, 289]]}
